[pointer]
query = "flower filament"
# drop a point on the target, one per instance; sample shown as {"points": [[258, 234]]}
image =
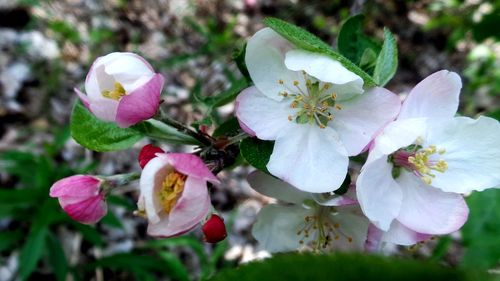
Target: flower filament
{"points": [[314, 103], [116, 93], [170, 190], [421, 161], [324, 231]]}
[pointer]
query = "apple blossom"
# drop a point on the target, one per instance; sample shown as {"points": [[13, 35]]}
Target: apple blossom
{"points": [[421, 164], [309, 221], [313, 108], [81, 197], [122, 88], [174, 195]]}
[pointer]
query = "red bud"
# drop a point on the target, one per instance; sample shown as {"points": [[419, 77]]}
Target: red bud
{"points": [[147, 153], [214, 229]]}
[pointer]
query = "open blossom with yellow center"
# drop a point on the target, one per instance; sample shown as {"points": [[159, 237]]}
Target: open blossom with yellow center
{"points": [[174, 195], [421, 164], [314, 108], [306, 223], [122, 88]]}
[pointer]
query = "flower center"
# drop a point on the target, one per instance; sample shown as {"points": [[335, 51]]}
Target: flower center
{"points": [[314, 102], [171, 188], [116, 93], [322, 229], [422, 162]]}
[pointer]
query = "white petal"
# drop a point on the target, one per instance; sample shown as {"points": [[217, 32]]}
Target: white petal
{"points": [[276, 227], [152, 176], [396, 135], [397, 234], [362, 117], [426, 209], [266, 117], [325, 69], [264, 58], [130, 70], [353, 224], [348, 198], [436, 96], [309, 158], [379, 195], [275, 188], [472, 153]]}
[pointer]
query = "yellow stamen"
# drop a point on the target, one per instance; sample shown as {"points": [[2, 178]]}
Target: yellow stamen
{"points": [[171, 188], [116, 93]]}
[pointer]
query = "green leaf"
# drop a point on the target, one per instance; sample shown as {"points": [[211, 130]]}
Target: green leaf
{"points": [[57, 258], [482, 231], [302, 39], [343, 267], [229, 128], [160, 131], [98, 135], [387, 61], [228, 95], [239, 59], [89, 233], [257, 152], [130, 262], [8, 239], [177, 270], [32, 251], [356, 46]]}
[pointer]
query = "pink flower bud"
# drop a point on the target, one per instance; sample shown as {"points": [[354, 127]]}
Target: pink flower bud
{"points": [[81, 198], [122, 88], [147, 153], [214, 229]]}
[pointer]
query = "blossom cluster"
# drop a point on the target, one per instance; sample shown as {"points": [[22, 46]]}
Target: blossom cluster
{"points": [[353, 166]]}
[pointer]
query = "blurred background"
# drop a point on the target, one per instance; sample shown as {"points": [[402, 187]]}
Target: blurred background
{"points": [[46, 48]]}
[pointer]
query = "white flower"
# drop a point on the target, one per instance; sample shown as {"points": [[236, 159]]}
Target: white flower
{"points": [[313, 108], [308, 221], [421, 164]]}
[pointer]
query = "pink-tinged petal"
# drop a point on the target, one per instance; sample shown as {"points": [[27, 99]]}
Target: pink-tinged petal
{"points": [[362, 117], [379, 196], [265, 117], [191, 165], [152, 177], [264, 58], [80, 186], [87, 211], [397, 234], [396, 135], [275, 188], [309, 158], [190, 209], [472, 153], [243, 126], [141, 104], [83, 97], [435, 96], [429, 210]]}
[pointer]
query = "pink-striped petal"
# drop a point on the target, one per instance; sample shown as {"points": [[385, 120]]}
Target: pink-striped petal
{"points": [[88, 211], [190, 165], [141, 104], [81, 186]]}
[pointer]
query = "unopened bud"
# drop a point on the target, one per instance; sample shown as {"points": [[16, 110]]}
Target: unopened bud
{"points": [[214, 229], [147, 153]]}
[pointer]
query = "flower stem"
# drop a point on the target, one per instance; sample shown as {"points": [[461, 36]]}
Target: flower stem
{"points": [[115, 181], [202, 138]]}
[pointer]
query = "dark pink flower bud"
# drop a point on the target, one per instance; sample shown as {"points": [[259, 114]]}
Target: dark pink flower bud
{"points": [[214, 229], [147, 153], [81, 198]]}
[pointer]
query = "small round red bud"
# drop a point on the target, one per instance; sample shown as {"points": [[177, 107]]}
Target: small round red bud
{"points": [[214, 229], [147, 153]]}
